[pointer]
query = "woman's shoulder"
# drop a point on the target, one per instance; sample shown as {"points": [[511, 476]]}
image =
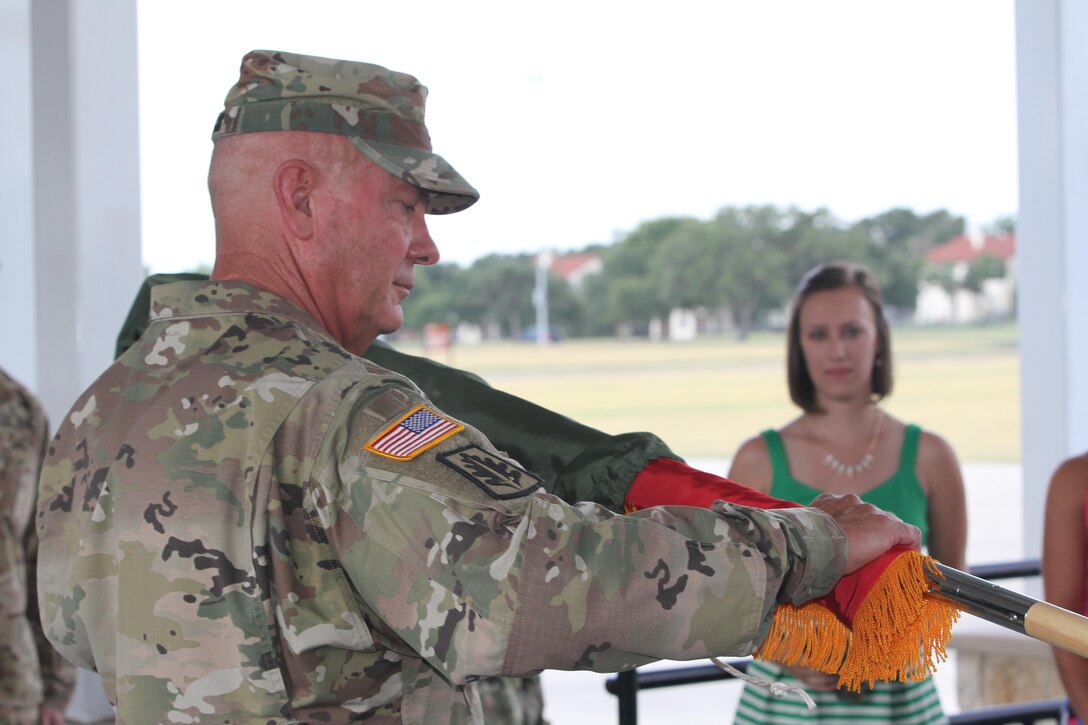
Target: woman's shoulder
{"points": [[935, 464], [933, 449], [1071, 477], [751, 464], [1064, 513], [755, 446]]}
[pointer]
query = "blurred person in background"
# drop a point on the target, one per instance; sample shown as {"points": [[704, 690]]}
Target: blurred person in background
{"points": [[35, 682], [1065, 565], [839, 361]]}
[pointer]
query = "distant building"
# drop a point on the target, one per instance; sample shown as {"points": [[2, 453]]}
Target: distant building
{"points": [[950, 300], [574, 269]]}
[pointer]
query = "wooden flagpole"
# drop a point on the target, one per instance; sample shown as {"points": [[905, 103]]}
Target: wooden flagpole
{"points": [[1040, 620]]}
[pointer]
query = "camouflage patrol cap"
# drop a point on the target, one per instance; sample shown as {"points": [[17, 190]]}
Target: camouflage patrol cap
{"points": [[379, 110]]}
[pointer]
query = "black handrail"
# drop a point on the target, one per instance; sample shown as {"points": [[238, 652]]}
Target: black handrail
{"points": [[625, 685], [1008, 570], [1021, 713]]}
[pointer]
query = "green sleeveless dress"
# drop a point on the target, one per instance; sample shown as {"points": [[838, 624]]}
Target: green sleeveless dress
{"points": [[914, 703]]}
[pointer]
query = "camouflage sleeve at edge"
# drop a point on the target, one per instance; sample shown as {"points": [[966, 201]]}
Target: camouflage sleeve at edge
{"points": [[57, 674]]}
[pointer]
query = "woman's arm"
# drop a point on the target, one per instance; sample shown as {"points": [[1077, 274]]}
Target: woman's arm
{"points": [[1064, 555], [940, 475]]}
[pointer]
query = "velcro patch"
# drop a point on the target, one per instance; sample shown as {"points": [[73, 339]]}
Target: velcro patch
{"points": [[416, 431], [497, 477]]}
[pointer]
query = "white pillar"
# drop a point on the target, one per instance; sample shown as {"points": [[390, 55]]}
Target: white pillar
{"points": [[1052, 244], [86, 188], [18, 331], [70, 260]]}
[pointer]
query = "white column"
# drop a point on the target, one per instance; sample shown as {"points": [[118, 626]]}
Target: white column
{"points": [[70, 260], [85, 186], [18, 331], [1052, 244]]}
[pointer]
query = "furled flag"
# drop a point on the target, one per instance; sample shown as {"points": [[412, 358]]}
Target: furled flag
{"points": [[876, 624]]}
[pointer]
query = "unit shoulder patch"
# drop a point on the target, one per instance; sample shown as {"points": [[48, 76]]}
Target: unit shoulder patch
{"points": [[420, 428], [496, 476]]}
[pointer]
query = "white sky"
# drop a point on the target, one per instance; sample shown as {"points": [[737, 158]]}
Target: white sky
{"points": [[577, 120]]}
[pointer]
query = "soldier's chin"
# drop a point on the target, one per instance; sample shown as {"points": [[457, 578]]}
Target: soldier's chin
{"points": [[394, 324]]}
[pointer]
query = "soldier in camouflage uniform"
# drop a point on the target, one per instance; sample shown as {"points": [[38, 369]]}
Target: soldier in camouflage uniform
{"points": [[244, 521], [35, 682], [573, 461]]}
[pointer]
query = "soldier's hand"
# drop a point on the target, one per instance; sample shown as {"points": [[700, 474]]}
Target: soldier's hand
{"points": [[869, 531]]}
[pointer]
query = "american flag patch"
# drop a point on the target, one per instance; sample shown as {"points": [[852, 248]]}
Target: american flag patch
{"points": [[418, 430]]}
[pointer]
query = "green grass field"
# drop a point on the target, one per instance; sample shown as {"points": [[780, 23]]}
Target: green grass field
{"points": [[705, 397]]}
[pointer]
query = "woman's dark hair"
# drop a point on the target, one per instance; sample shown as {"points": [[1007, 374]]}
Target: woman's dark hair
{"points": [[822, 278]]}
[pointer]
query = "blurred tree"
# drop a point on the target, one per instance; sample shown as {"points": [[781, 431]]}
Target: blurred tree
{"points": [[985, 267], [687, 266], [900, 238], [941, 275], [626, 295], [1001, 225], [434, 297], [491, 290], [746, 261], [566, 310], [817, 237], [754, 270], [499, 290], [902, 227]]}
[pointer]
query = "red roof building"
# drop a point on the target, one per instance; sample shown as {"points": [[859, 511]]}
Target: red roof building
{"points": [[574, 268], [966, 249], [994, 300]]}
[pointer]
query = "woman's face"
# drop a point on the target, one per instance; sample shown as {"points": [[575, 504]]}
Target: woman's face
{"points": [[839, 341]]}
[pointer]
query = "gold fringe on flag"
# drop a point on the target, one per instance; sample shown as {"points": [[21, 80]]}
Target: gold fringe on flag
{"points": [[809, 635], [898, 633]]}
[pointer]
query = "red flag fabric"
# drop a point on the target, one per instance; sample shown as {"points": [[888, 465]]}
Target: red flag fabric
{"points": [[876, 624]]}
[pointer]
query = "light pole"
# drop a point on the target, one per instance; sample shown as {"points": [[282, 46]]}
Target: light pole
{"points": [[540, 297]]}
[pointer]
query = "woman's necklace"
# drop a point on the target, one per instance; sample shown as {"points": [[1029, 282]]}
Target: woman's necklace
{"points": [[850, 470]]}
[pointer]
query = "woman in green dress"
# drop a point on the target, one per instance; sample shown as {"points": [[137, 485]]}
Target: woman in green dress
{"points": [[839, 370]]}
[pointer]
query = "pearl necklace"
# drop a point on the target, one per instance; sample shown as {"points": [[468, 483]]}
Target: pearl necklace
{"points": [[850, 470]]}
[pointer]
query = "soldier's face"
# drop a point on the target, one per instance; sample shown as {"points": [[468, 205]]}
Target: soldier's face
{"points": [[376, 233]]}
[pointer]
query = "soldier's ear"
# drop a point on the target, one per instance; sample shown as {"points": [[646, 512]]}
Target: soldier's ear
{"points": [[293, 185]]}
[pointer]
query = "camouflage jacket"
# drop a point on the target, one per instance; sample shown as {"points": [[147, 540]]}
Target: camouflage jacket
{"points": [[31, 671], [241, 522]]}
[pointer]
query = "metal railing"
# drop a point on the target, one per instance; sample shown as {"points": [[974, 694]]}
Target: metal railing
{"points": [[626, 685], [1019, 713]]}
